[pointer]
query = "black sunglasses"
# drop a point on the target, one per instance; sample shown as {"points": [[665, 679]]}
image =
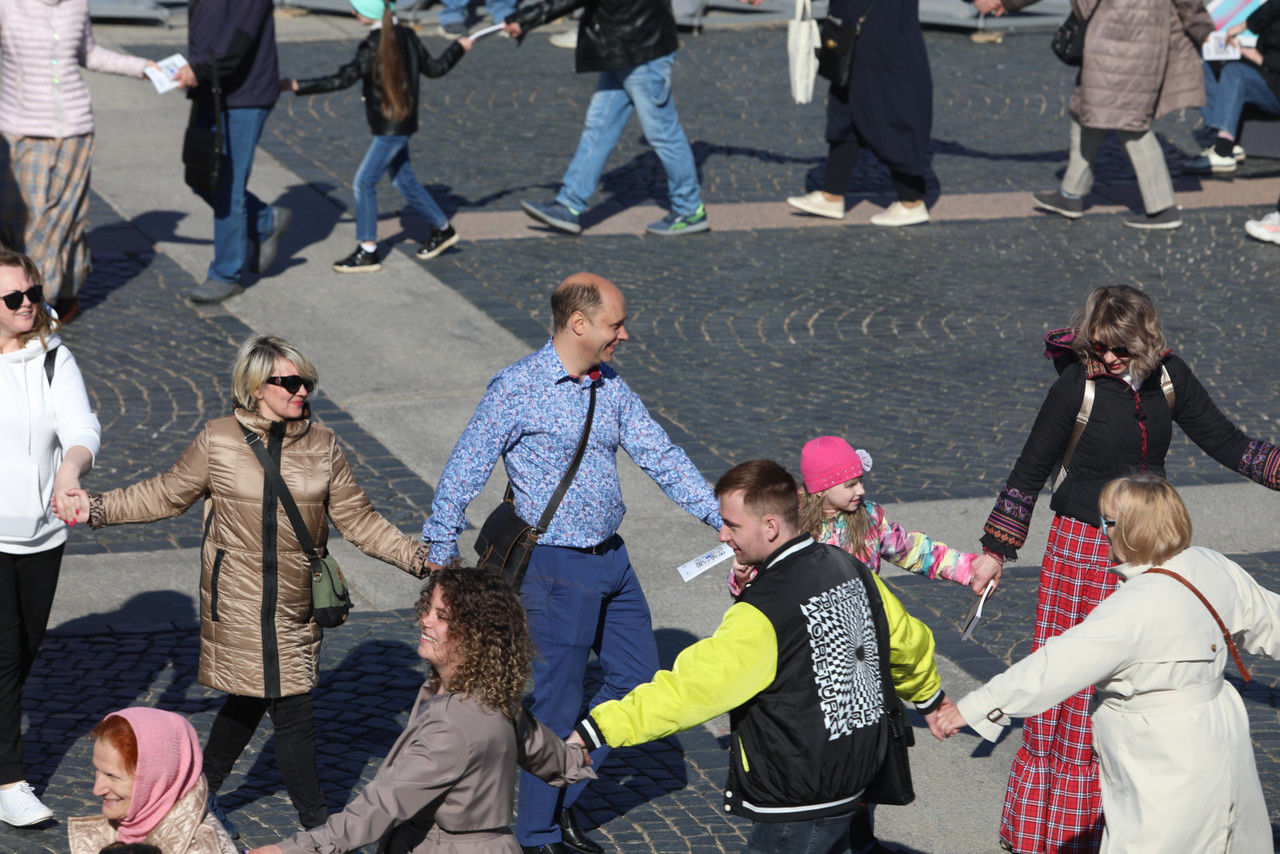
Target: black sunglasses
{"points": [[292, 383], [1101, 350], [13, 299]]}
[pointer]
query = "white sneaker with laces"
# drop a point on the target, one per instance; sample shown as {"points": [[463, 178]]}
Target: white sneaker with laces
{"points": [[817, 204], [1266, 229], [898, 214], [1210, 161], [20, 807]]}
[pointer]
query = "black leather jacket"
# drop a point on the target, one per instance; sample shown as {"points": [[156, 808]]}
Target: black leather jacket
{"points": [[416, 61], [612, 34]]}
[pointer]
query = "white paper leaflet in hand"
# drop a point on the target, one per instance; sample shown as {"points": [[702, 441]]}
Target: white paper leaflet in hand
{"points": [[487, 31], [975, 613], [702, 563], [163, 78]]}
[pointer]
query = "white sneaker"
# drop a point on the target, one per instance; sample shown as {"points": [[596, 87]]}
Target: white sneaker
{"points": [[20, 807], [817, 204], [1266, 229], [899, 214], [568, 38], [1211, 161]]}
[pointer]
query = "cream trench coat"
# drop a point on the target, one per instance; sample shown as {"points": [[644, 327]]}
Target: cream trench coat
{"points": [[1175, 761]]}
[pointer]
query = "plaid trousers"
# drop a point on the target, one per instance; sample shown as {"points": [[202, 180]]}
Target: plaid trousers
{"points": [[1053, 803], [44, 203]]}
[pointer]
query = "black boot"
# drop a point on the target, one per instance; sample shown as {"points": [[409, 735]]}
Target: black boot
{"points": [[573, 836]]}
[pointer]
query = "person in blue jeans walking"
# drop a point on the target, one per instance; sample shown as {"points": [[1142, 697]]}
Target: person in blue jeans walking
{"points": [[580, 590], [231, 45], [632, 44], [1253, 80], [389, 61]]}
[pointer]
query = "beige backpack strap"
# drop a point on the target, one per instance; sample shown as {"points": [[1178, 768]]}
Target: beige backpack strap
{"points": [[1166, 386], [1082, 418]]}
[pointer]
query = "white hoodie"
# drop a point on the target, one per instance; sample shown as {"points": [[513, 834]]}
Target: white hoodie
{"points": [[37, 423]]}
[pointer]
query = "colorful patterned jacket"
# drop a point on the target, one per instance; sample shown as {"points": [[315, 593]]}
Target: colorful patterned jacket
{"points": [[911, 550]]}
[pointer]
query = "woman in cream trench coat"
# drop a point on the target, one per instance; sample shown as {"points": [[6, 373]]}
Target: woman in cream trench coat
{"points": [[1176, 764]]}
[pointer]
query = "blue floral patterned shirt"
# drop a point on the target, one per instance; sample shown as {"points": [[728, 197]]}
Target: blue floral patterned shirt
{"points": [[531, 416]]}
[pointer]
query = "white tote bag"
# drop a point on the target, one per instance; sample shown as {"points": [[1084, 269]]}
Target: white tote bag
{"points": [[802, 45]]}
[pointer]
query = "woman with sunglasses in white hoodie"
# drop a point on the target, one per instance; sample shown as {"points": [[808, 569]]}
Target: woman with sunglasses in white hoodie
{"points": [[48, 439]]}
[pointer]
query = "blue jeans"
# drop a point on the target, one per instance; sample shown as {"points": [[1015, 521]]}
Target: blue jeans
{"points": [[390, 155], [239, 217], [646, 89], [579, 603], [818, 836], [455, 11], [1227, 93]]}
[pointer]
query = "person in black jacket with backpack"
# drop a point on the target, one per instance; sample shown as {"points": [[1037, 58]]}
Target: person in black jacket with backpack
{"points": [[632, 43], [389, 61]]}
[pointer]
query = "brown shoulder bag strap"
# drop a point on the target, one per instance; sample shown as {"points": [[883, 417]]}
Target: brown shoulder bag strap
{"points": [[1226, 635]]}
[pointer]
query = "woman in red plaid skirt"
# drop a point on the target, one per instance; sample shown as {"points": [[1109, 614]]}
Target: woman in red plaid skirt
{"points": [[1116, 353]]}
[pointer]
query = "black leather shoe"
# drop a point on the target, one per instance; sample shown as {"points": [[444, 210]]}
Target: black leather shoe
{"points": [[549, 848], [573, 836]]}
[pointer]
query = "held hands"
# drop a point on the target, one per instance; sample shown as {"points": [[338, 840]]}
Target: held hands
{"points": [[575, 740], [986, 567], [70, 504], [739, 577], [946, 720], [989, 7]]}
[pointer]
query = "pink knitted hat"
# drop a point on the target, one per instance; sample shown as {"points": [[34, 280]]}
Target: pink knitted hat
{"points": [[169, 766], [829, 461]]}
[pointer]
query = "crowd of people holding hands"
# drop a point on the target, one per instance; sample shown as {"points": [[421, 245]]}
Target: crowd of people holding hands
{"points": [[1135, 625]]}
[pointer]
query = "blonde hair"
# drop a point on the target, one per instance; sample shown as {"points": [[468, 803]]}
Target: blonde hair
{"points": [[43, 324], [1122, 316], [257, 360], [1151, 522], [813, 514]]}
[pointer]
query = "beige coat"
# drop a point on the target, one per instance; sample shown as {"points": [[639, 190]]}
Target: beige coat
{"points": [[257, 635], [1141, 60], [447, 786], [185, 829], [1175, 762]]}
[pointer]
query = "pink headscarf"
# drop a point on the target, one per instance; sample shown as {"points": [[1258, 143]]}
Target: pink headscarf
{"points": [[169, 766]]}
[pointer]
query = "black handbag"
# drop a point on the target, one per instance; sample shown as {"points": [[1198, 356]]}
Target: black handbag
{"points": [[506, 541], [330, 599], [1068, 41], [892, 782], [837, 42], [204, 149]]}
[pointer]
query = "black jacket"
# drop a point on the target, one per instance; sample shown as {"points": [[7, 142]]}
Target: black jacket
{"points": [[1128, 432], [417, 60], [1265, 21], [238, 39], [612, 34]]}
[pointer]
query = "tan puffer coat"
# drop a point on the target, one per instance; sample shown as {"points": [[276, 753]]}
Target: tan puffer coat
{"points": [[257, 635], [1141, 60], [185, 829]]}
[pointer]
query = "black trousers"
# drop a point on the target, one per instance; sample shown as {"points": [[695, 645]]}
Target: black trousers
{"points": [[27, 585], [294, 722], [843, 156]]}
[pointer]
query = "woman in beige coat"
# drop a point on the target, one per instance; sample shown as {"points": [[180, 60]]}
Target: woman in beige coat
{"points": [[448, 783], [1141, 61], [1175, 761], [258, 641]]}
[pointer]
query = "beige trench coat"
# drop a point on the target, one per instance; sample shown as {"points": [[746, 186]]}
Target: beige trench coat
{"points": [[185, 829], [1141, 60], [1175, 762], [257, 635], [448, 784]]}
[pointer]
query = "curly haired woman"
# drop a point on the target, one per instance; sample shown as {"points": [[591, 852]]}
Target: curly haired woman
{"points": [[449, 780]]}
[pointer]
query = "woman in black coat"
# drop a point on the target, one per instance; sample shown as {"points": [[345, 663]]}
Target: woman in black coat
{"points": [[887, 107]]}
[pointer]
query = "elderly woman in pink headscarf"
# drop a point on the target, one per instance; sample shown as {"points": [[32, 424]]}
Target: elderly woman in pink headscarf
{"points": [[147, 766]]}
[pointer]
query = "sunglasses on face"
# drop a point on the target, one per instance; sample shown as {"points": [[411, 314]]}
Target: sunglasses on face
{"points": [[13, 300], [1106, 523], [1101, 349], [292, 383]]}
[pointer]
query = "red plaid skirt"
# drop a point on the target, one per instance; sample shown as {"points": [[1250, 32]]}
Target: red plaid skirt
{"points": [[1053, 803]]}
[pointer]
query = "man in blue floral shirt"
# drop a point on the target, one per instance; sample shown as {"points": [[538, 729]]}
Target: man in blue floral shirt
{"points": [[580, 591]]}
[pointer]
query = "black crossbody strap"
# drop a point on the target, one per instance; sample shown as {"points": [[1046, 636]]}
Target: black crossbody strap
{"points": [[272, 472], [558, 495]]}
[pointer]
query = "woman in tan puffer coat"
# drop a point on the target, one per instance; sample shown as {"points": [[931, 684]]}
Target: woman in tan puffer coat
{"points": [[1141, 61], [258, 641]]}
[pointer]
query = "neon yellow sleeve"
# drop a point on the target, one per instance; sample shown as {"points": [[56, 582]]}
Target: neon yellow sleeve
{"points": [[911, 665], [709, 678]]}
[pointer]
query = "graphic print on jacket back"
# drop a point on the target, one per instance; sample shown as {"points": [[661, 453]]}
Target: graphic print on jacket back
{"points": [[846, 658]]}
